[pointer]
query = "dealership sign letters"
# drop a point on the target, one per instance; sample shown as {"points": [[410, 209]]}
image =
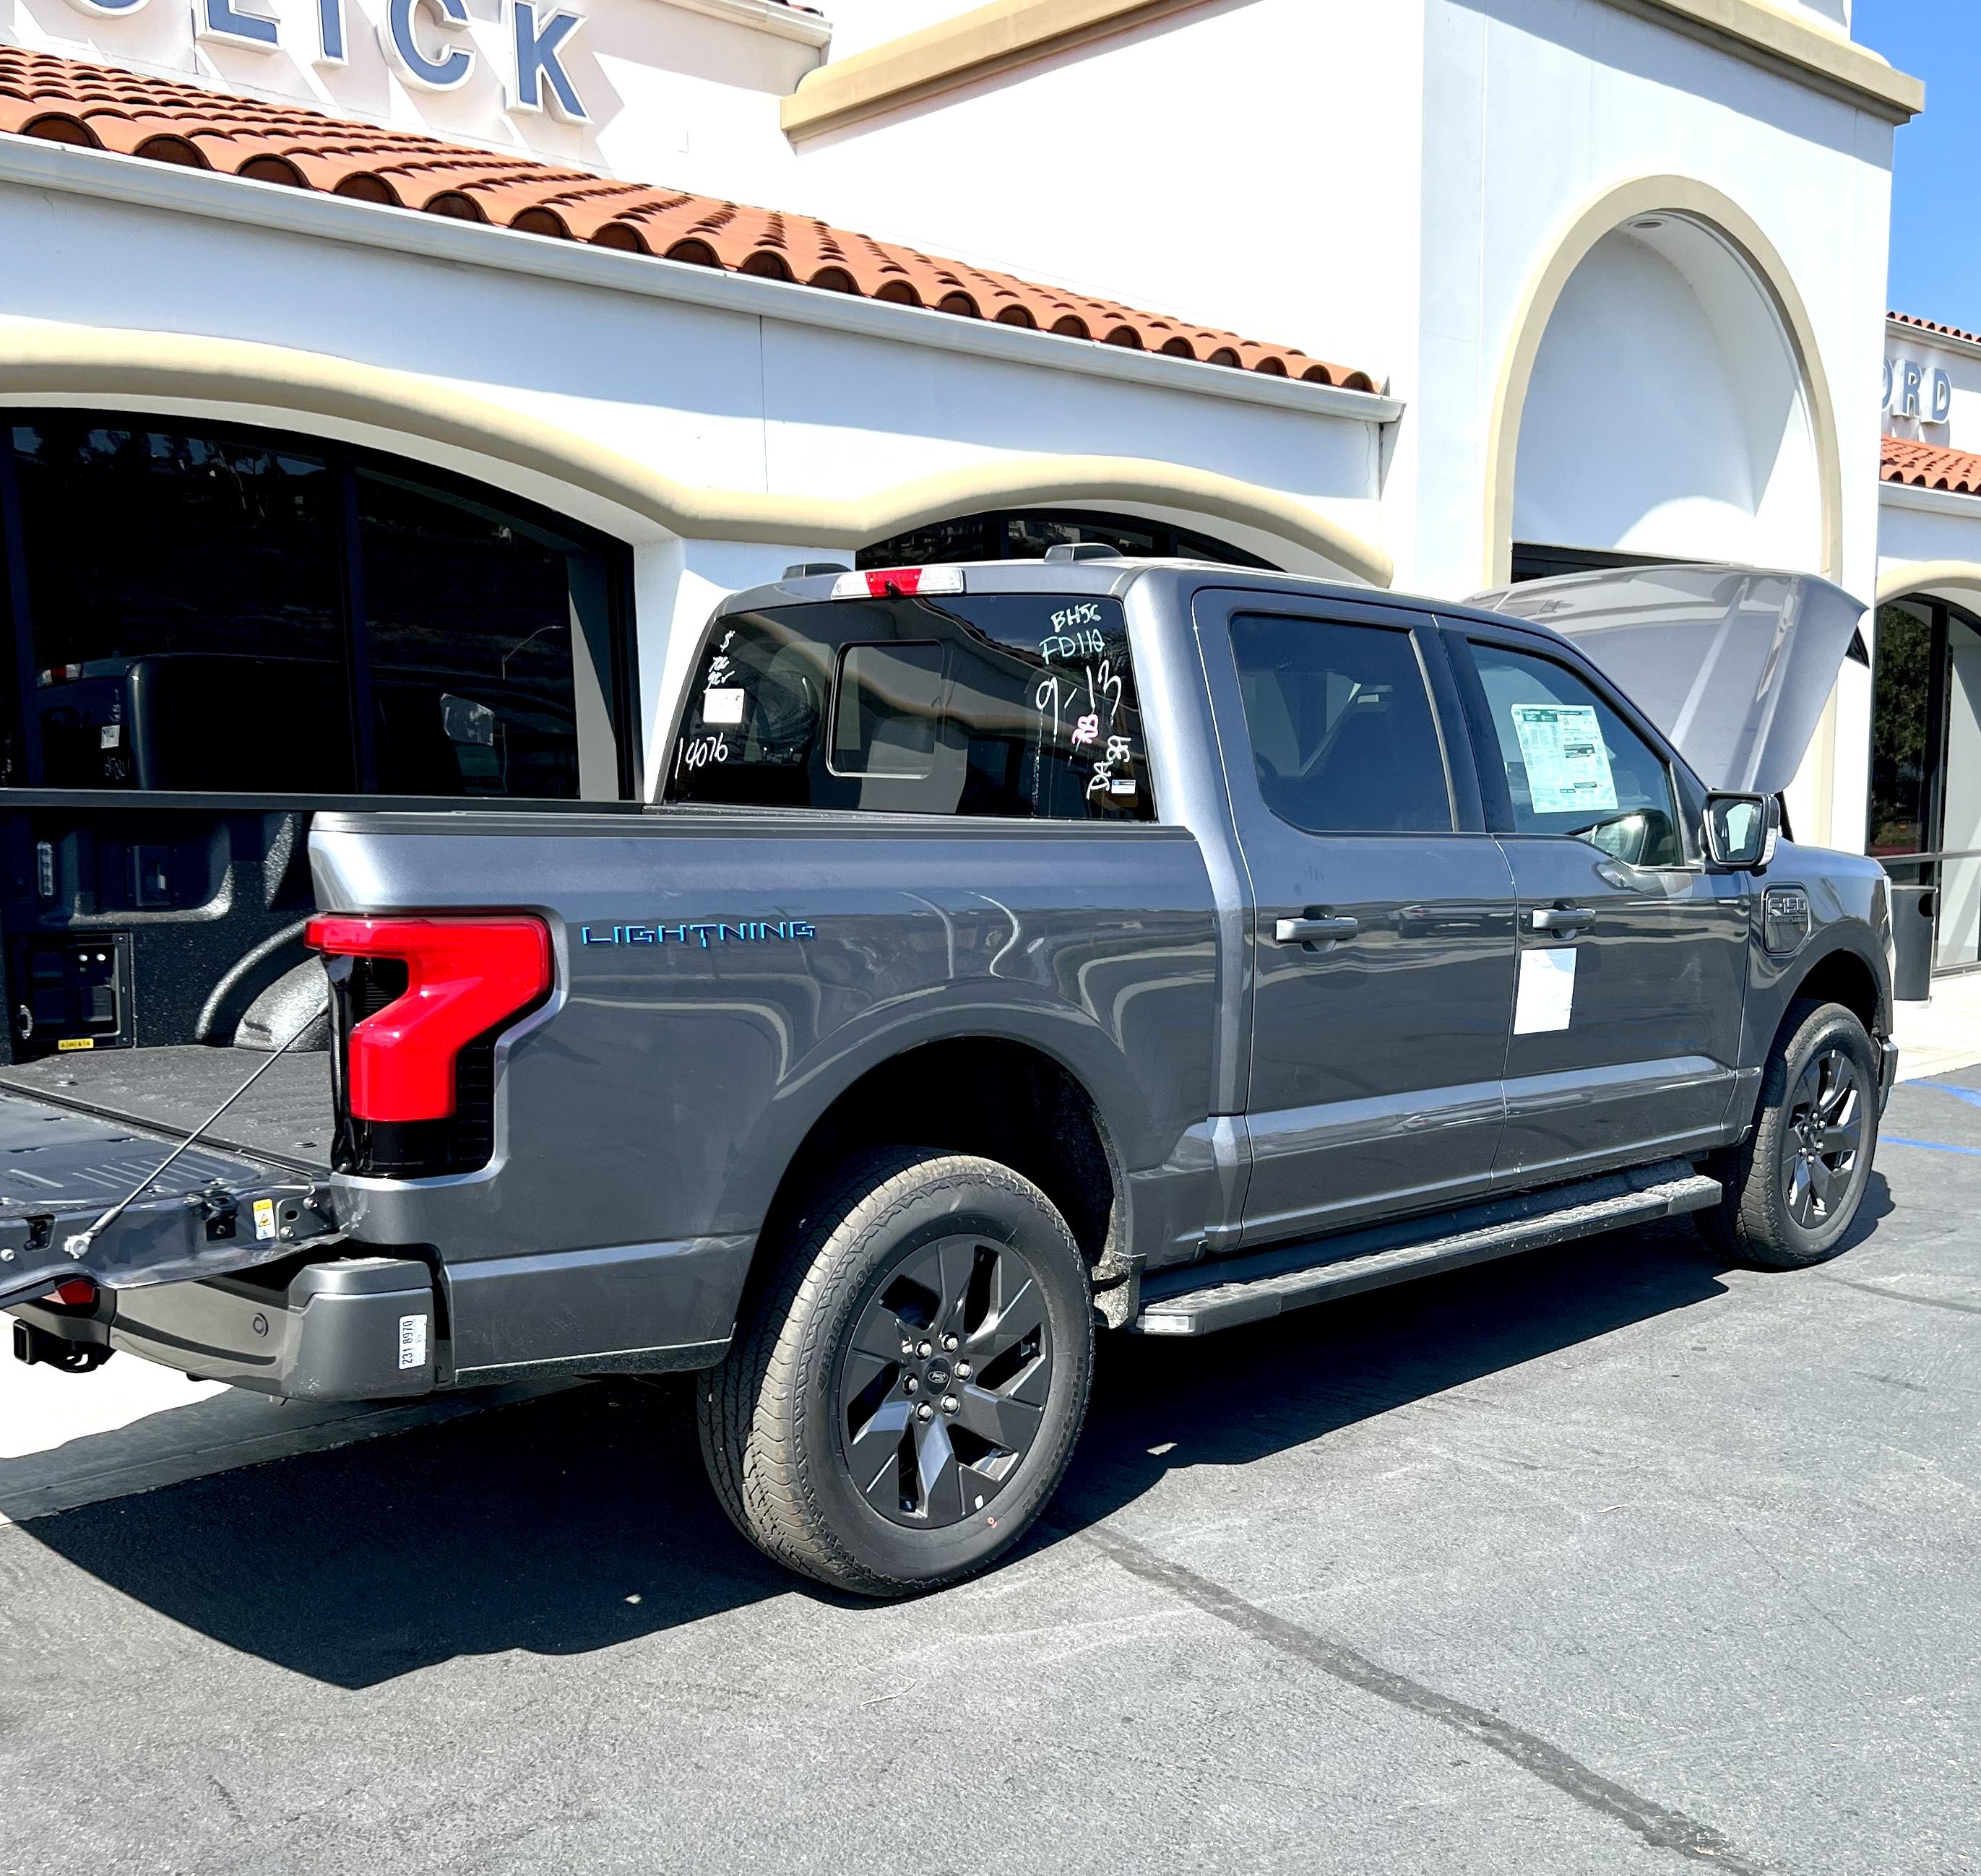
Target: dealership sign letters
{"points": [[425, 42]]}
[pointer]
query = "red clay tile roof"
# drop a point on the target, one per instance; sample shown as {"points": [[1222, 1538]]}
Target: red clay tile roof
{"points": [[67, 101], [1921, 465], [1934, 325]]}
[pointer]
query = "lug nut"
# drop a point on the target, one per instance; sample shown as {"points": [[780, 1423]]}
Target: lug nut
{"points": [[949, 1403], [949, 1342], [963, 1371], [925, 1412], [908, 1348], [909, 1385], [925, 1349]]}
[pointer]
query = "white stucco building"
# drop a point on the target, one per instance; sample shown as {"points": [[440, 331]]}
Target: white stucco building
{"points": [[1597, 279]]}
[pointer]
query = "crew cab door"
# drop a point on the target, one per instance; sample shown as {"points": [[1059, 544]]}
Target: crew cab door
{"points": [[1381, 933], [1633, 959]]}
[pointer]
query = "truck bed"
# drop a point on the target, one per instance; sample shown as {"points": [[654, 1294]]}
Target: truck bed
{"points": [[284, 1118]]}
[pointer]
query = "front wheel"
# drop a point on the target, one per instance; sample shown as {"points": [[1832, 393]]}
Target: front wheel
{"points": [[1793, 1189], [906, 1393]]}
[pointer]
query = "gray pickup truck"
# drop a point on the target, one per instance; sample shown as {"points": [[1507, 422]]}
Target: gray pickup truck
{"points": [[1021, 949]]}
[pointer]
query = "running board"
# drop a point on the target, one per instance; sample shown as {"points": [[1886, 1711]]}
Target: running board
{"points": [[1250, 1288]]}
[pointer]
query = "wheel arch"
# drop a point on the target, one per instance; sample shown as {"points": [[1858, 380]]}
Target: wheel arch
{"points": [[1006, 1098], [1841, 976]]}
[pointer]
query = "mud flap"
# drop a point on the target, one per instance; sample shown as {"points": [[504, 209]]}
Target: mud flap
{"points": [[213, 1212]]}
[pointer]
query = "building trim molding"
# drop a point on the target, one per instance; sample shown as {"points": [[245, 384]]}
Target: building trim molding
{"points": [[1674, 195], [980, 44], [1778, 41], [1926, 339], [770, 16], [1006, 34], [125, 369], [1930, 576], [1930, 501]]}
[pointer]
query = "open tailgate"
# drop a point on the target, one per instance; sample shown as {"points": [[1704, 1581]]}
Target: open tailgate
{"points": [[215, 1209]]}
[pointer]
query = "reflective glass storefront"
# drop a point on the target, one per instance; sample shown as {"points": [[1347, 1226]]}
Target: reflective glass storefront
{"points": [[202, 608], [1925, 815]]}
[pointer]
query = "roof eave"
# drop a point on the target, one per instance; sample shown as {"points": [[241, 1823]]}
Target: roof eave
{"points": [[108, 175]]}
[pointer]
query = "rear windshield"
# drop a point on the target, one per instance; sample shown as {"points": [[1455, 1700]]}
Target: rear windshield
{"points": [[994, 703]]}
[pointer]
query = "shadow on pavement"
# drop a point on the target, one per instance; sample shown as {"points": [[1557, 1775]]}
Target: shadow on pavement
{"points": [[581, 1520]]}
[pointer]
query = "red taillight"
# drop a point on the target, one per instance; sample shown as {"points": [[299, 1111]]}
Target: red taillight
{"points": [[77, 1292], [463, 976]]}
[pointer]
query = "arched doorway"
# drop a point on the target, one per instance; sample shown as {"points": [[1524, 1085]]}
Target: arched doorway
{"points": [[1667, 414]]}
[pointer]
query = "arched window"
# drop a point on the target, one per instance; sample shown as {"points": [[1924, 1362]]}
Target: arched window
{"points": [[201, 607], [1015, 534]]}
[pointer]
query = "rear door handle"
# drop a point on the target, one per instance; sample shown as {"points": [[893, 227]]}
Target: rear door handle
{"points": [[1314, 931], [1563, 918]]}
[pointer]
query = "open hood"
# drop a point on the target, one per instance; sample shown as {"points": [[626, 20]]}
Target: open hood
{"points": [[1733, 665]]}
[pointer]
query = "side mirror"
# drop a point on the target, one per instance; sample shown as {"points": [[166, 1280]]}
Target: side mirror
{"points": [[1740, 831]]}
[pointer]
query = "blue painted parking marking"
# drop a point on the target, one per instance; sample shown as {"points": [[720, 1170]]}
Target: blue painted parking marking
{"points": [[1932, 1146], [1971, 1095]]}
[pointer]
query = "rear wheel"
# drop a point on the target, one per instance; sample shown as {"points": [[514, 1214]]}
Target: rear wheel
{"points": [[1793, 1189], [907, 1392]]}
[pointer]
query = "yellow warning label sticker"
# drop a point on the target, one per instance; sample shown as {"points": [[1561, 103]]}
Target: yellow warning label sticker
{"points": [[77, 1041], [265, 1218]]}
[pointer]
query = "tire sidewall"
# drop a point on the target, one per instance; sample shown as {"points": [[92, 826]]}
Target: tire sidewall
{"points": [[1765, 1205], [954, 1202]]}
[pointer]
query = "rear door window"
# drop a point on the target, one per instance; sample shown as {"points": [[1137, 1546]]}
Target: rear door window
{"points": [[1019, 705], [1342, 737]]}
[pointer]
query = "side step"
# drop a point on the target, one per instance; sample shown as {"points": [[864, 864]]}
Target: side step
{"points": [[1266, 1283]]}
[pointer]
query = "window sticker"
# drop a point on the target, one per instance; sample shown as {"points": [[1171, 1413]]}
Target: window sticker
{"points": [[723, 705], [1568, 768], [1546, 998]]}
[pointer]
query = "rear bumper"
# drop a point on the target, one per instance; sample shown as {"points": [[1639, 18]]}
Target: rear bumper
{"points": [[346, 1328]]}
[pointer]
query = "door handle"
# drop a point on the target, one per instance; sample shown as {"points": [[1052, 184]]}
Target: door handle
{"points": [[1563, 918], [1314, 931]]}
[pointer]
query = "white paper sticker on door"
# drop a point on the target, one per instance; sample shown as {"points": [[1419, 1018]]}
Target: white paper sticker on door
{"points": [[722, 706], [1546, 992], [412, 1342], [1568, 768]]}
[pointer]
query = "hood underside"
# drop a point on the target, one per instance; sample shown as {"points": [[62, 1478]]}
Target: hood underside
{"points": [[1734, 665]]}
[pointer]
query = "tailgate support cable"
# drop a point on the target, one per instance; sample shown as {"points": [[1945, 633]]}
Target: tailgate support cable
{"points": [[78, 1244]]}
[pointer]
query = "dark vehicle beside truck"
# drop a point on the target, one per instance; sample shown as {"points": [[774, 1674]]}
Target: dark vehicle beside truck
{"points": [[1019, 949]]}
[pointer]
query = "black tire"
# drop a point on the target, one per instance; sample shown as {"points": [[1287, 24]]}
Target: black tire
{"points": [[1794, 1186], [933, 1316]]}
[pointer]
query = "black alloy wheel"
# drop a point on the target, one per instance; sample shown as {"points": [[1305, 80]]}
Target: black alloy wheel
{"points": [[942, 1389], [909, 1377], [1823, 1137], [1793, 1188]]}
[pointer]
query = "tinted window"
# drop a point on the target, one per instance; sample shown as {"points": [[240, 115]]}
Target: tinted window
{"points": [[1572, 766], [183, 597], [1902, 699], [1342, 737], [1019, 535], [983, 704], [242, 613], [480, 666]]}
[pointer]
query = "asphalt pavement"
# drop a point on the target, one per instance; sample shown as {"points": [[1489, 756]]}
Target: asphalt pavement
{"points": [[1606, 1559]]}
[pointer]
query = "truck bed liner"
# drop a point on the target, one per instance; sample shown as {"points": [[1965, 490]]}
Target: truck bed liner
{"points": [[285, 1117]]}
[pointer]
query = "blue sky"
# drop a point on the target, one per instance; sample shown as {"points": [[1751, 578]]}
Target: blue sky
{"points": [[1936, 208]]}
